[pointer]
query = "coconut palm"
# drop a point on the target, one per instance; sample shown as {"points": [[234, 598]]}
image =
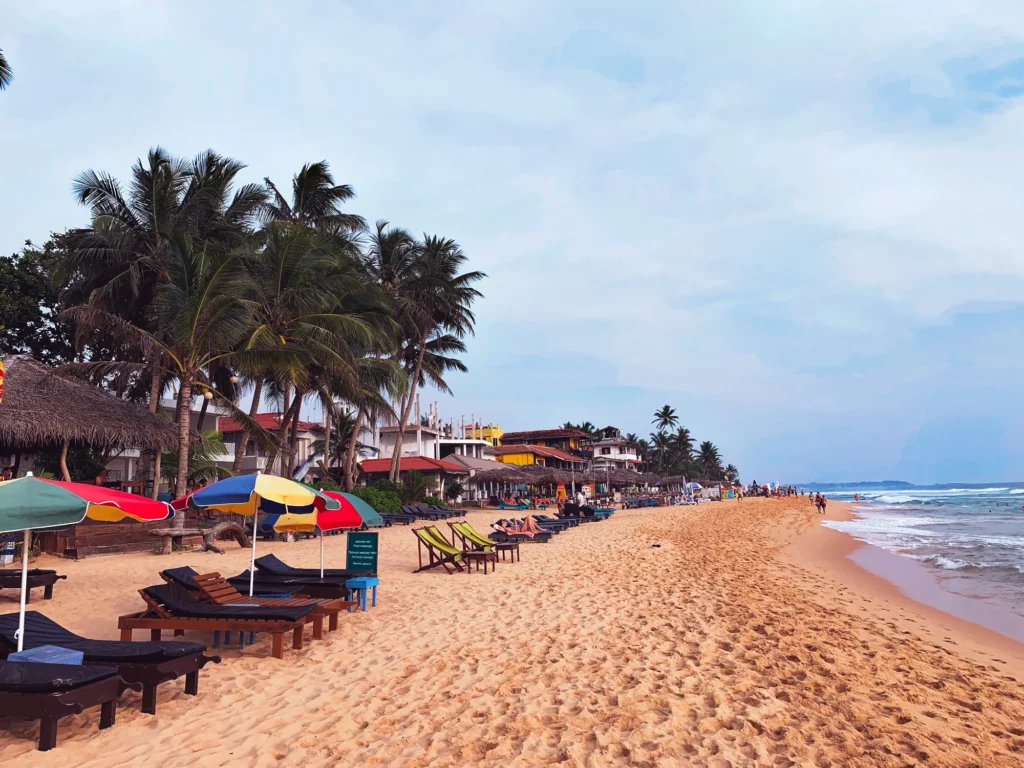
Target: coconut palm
{"points": [[709, 461], [665, 418], [731, 473], [335, 446], [6, 75], [202, 320], [661, 444], [116, 263], [315, 201], [202, 461], [431, 300], [310, 306]]}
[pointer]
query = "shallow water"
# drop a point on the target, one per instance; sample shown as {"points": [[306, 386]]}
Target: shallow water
{"points": [[971, 537]]}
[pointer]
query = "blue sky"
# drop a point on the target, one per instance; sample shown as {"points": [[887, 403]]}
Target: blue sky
{"points": [[797, 222]]}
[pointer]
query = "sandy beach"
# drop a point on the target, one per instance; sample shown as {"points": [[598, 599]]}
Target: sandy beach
{"points": [[746, 638]]}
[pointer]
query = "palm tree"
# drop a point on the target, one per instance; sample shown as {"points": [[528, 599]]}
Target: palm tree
{"points": [[709, 461], [335, 447], [660, 445], [310, 306], [6, 74], [432, 303], [315, 201], [682, 450], [117, 263], [202, 320], [202, 460], [587, 427], [665, 418], [731, 473]]}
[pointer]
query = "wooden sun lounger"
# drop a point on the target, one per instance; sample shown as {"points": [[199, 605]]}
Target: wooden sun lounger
{"points": [[158, 616], [215, 589], [146, 663], [11, 579], [48, 692]]}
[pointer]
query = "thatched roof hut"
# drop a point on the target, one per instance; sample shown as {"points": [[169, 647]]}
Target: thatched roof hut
{"points": [[41, 407]]}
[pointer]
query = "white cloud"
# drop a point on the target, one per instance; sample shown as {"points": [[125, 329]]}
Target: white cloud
{"points": [[753, 199]]}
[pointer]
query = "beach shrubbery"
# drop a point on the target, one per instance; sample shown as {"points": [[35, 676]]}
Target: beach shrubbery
{"points": [[381, 499]]}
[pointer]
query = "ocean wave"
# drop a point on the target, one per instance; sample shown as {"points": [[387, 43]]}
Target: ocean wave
{"points": [[954, 564], [1017, 491]]}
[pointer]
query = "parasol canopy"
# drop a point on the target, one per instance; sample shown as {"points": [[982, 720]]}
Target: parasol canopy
{"points": [[32, 503], [360, 507], [290, 506]]}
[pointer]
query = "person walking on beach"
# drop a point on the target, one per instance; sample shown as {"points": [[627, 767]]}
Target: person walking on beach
{"points": [[817, 501], [824, 504]]}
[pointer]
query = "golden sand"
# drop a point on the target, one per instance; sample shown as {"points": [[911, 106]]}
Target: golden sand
{"points": [[725, 646]]}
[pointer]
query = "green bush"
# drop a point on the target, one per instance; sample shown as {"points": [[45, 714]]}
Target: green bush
{"points": [[381, 500], [327, 485], [434, 501]]}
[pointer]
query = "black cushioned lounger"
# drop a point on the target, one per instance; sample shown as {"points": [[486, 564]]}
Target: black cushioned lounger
{"points": [[272, 564], [10, 578], [146, 663], [48, 692], [181, 603]]}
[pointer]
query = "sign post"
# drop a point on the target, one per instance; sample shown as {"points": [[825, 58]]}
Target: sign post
{"points": [[361, 552]]}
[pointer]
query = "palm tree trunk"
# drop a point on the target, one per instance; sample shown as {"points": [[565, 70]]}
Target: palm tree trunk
{"points": [[64, 463], [327, 438], [348, 478], [406, 408], [293, 443], [243, 445], [282, 430], [184, 438], [150, 460], [202, 414], [282, 434]]}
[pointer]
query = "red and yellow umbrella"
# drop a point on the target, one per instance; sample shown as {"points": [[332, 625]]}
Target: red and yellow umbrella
{"points": [[32, 503]]}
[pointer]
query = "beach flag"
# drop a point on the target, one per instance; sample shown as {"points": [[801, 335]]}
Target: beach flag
{"points": [[1, 381]]}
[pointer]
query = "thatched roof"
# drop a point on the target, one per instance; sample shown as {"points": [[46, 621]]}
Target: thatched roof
{"points": [[42, 407]]}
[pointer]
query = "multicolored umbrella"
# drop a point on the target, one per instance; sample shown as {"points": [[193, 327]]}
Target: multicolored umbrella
{"points": [[354, 513], [290, 506], [32, 503]]}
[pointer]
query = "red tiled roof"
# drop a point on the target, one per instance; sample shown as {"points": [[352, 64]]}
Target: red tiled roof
{"points": [[540, 434], [415, 463], [538, 450], [270, 421]]}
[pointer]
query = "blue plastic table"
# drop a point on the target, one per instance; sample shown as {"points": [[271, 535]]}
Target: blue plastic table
{"points": [[360, 585]]}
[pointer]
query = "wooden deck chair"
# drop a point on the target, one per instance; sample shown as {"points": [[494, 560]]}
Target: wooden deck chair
{"points": [[439, 552], [471, 538]]}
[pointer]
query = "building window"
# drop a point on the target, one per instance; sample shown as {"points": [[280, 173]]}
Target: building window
{"points": [[606, 451]]}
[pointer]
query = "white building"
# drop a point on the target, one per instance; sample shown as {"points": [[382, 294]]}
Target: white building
{"points": [[613, 451]]}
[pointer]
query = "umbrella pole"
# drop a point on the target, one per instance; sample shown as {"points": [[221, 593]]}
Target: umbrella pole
{"points": [[321, 553], [24, 589], [252, 561]]}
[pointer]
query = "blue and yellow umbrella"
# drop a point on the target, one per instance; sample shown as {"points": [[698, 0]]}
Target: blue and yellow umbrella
{"points": [[293, 506]]}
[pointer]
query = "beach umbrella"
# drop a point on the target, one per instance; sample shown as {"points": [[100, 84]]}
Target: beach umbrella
{"points": [[32, 503], [289, 505], [354, 513]]}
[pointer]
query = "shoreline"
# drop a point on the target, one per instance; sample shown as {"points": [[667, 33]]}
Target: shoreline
{"points": [[904, 588]]}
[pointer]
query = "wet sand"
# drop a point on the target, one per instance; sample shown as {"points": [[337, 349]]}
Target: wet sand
{"points": [[746, 638]]}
